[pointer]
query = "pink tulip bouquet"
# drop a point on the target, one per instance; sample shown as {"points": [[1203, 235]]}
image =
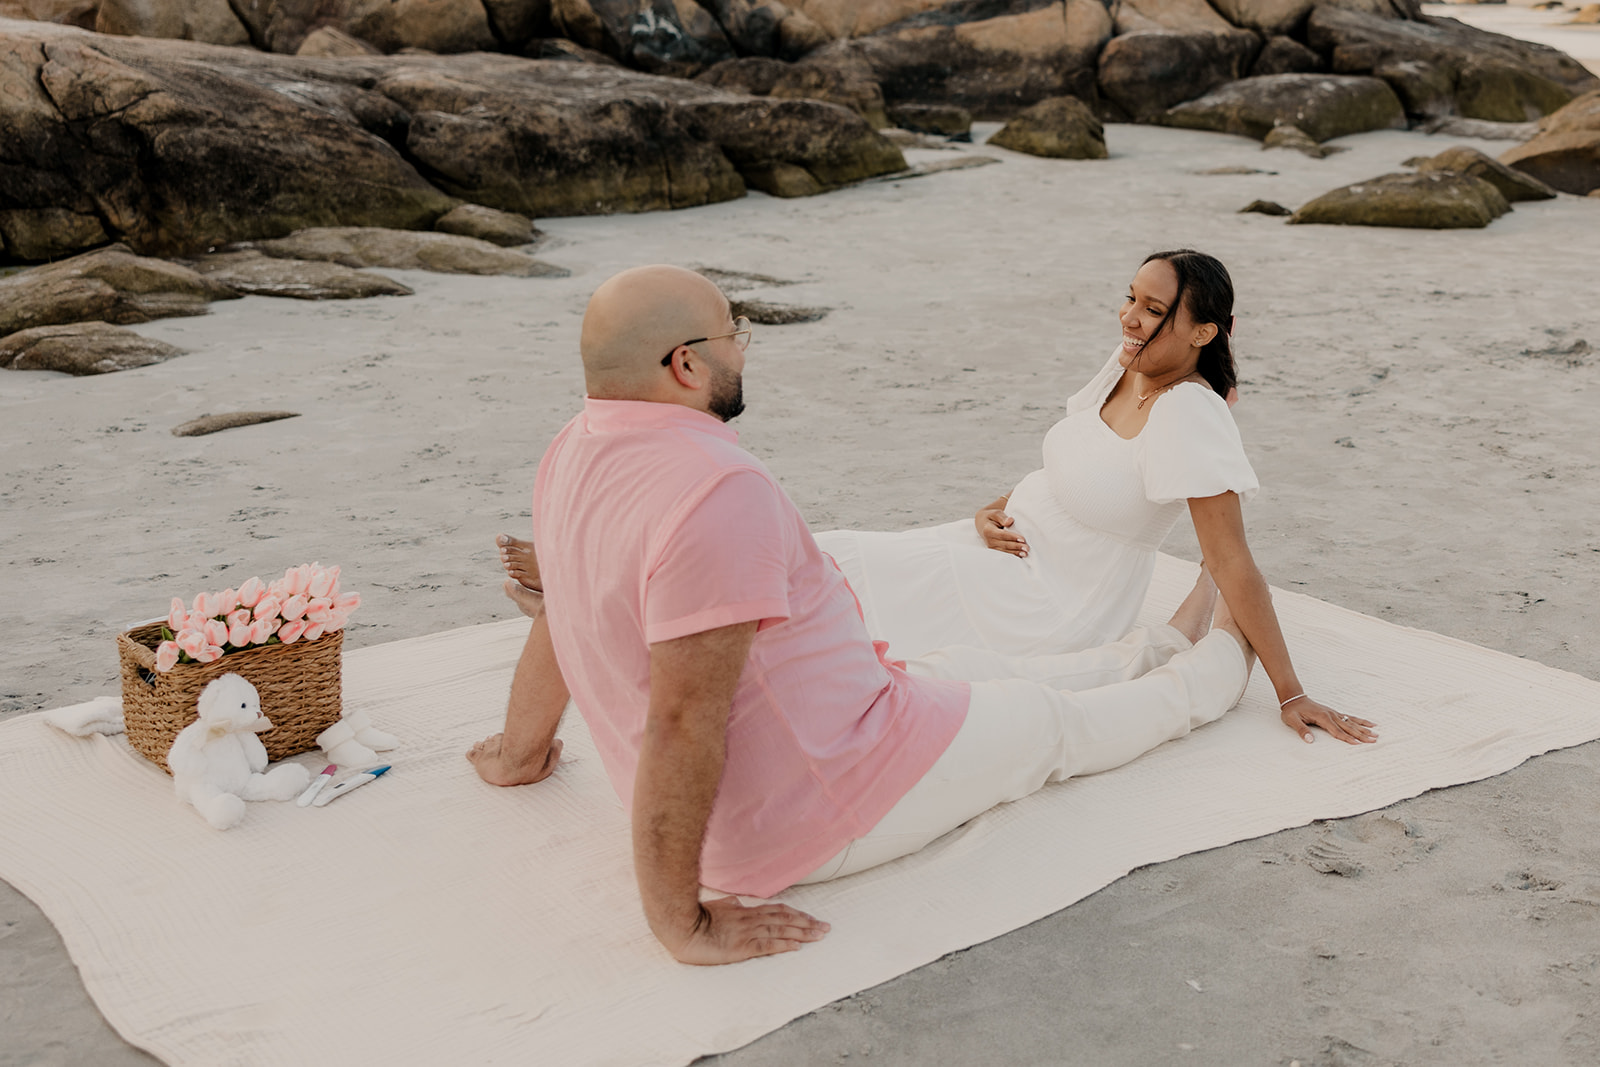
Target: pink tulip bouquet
{"points": [[301, 606]]}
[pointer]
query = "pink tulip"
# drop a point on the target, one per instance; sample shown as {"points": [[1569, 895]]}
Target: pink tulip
{"points": [[268, 607], [239, 617], [209, 654], [325, 582], [298, 578], [216, 632], [260, 630], [347, 602], [195, 621], [294, 607], [202, 605], [290, 632], [337, 620], [191, 642], [177, 616], [315, 630], [251, 592], [319, 609], [229, 599], [239, 635], [166, 656]]}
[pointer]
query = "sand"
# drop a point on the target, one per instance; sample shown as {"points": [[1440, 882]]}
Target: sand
{"points": [[1427, 454]]}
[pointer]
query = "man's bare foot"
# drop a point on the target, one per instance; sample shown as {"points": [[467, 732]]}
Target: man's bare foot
{"points": [[520, 562], [1224, 622], [528, 601], [496, 768], [1193, 617]]}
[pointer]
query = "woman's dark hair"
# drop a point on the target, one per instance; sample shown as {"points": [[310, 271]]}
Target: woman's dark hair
{"points": [[1204, 285]]}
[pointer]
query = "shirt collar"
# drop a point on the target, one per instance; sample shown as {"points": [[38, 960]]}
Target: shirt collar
{"points": [[622, 416]]}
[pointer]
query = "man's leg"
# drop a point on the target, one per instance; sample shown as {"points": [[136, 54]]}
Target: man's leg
{"points": [[1020, 734]]}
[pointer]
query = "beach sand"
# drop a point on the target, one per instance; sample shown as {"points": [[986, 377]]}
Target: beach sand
{"points": [[1426, 448]]}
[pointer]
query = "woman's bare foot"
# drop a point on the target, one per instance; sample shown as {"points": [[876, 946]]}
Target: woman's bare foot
{"points": [[496, 768], [1193, 617], [528, 601], [520, 562], [1224, 621]]}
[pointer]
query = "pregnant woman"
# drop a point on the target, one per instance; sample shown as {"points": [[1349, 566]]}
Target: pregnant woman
{"points": [[1064, 560]]}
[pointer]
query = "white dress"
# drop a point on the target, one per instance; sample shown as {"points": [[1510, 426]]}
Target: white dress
{"points": [[1093, 517]]}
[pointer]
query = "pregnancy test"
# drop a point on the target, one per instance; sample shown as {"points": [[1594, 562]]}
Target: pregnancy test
{"points": [[316, 785], [347, 785]]}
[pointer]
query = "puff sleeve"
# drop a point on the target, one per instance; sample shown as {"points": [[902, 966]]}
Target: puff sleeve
{"points": [[1190, 447]]}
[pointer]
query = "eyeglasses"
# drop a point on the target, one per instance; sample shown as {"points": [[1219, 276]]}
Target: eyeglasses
{"points": [[740, 334]]}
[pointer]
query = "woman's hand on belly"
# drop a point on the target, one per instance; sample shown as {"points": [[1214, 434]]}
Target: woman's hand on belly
{"points": [[994, 526]]}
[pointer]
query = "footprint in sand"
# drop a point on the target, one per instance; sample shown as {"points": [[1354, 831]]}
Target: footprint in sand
{"points": [[1349, 847]]}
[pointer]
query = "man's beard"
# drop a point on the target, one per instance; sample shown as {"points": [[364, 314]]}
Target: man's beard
{"points": [[727, 392]]}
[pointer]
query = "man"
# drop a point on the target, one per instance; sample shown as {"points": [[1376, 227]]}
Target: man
{"points": [[758, 736]]}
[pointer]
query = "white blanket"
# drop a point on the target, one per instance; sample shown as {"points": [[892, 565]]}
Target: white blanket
{"points": [[430, 918]]}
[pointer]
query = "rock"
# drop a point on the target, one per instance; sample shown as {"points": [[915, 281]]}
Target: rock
{"points": [[1437, 201], [1233, 170], [252, 272], [328, 41], [765, 314], [991, 66], [174, 146], [903, 139], [1566, 151], [922, 170], [756, 75], [1482, 129], [1439, 66], [82, 348], [796, 147], [932, 118], [1061, 128], [357, 246], [765, 28], [1168, 51], [504, 228], [435, 25], [228, 421], [1513, 184], [734, 281], [212, 21], [41, 233], [674, 37], [1264, 207], [80, 13], [516, 23], [109, 284], [1323, 106], [1293, 137], [1285, 55], [560, 48], [841, 79], [1588, 15], [1267, 17], [1594, 193]]}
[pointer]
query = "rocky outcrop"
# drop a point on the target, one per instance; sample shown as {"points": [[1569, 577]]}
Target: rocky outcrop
{"points": [[1285, 55], [82, 348], [174, 146], [1513, 184], [1323, 106], [355, 246], [1437, 201], [1439, 66], [1566, 151], [939, 119], [110, 285], [212, 21], [504, 228], [1168, 51], [836, 78], [676, 37], [1297, 140], [1061, 128], [254, 273], [389, 25]]}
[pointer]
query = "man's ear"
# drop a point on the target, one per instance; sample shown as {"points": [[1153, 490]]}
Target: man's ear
{"points": [[689, 369]]}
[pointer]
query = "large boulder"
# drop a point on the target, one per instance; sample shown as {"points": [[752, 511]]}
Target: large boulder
{"points": [[1168, 51], [1323, 105], [447, 253], [796, 147], [1285, 55], [504, 228], [516, 23], [1566, 151], [677, 37], [1439, 66], [1061, 128], [213, 21], [390, 25], [109, 285], [958, 55], [82, 348], [1513, 184], [1436, 201], [253, 273]]}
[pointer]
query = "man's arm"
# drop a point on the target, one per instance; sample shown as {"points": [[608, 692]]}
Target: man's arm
{"points": [[692, 682], [527, 750]]}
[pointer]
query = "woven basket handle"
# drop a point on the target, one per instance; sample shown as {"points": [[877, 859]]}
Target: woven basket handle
{"points": [[144, 656]]}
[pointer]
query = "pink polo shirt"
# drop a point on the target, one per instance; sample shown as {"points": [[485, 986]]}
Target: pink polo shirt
{"points": [[652, 523]]}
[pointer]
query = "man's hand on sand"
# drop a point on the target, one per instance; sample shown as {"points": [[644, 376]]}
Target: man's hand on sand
{"points": [[496, 767], [729, 932]]}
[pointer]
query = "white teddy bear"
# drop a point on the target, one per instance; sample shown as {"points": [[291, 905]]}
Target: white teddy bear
{"points": [[217, 760]]}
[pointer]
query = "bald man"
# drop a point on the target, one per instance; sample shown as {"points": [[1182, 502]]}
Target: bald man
{"points": [[756, 734]]}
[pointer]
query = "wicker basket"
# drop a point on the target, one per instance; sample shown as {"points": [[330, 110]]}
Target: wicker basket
{"points": [[298, 684]]}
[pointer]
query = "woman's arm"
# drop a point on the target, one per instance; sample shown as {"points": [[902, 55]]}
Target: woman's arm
{"points": [[994, 527], [1219, 525]]}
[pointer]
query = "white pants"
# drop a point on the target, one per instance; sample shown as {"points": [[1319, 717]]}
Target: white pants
{"points": [[1041, 719]]}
